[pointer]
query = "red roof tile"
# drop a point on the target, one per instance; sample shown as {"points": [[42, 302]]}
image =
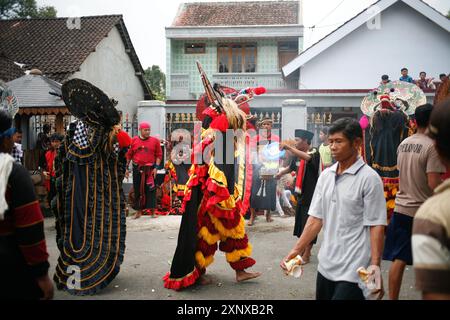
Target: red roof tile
{"points": [[237, 13]]}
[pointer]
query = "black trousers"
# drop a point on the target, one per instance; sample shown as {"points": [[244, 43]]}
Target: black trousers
{"points": [[337, 290], [150, 195]]}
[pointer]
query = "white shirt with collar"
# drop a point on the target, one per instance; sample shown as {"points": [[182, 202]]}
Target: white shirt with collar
{"points": [[348, 205]]}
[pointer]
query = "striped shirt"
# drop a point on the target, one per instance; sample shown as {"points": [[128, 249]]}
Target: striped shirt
{"points": [[431, 243], [22, 231]]}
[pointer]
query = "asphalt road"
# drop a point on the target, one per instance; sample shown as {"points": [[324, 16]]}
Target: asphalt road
{"points": [[150, 245]]}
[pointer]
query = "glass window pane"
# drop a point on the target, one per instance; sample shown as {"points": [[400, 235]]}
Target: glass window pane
{"points": [[236, 58], [223, 53], [288, 46], [250, 58], [236, 52], [195, 48]]}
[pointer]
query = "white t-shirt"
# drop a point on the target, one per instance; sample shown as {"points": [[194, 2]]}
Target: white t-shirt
{"points": [[348, 206]]}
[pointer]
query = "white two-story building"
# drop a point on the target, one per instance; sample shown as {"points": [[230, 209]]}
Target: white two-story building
{"points": [[239, 44]]}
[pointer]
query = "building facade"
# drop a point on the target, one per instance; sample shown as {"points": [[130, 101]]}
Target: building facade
{"points": [[239, 44], [336, 73]]}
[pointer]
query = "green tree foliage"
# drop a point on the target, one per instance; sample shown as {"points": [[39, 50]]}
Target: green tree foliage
{"points": [[156, 80], [13, 9]]}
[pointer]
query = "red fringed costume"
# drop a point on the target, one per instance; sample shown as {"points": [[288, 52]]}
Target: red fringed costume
{"points": [[215, 200]]}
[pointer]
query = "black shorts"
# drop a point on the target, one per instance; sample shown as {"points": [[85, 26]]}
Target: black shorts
{"points": [[397, 245], [337, 290]]}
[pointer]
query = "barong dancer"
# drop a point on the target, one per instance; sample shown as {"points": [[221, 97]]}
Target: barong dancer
{"points": [[214, 199], [90, 168]]}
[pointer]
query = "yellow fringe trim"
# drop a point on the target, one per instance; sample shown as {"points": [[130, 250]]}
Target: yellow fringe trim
{"points": [[391, 204], [218, 178], [236, 255], [170, 166], [208, 237], [203, 262], [216, 174], [236, 233], [227, 205], [379, 167]]}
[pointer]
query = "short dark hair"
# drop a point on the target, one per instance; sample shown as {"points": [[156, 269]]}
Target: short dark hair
{"points": [[442, 75], [404, 69], [439, 128], [5, 120], [325, 130], [56, 137], [422, 115], [384, 77], [349, 127], [423, 73], [46, 128]]}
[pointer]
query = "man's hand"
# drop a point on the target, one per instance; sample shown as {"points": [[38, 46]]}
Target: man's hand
{"points": [[155, 173], [46, 286], [127, 174], [375, 273], [290, 256]]}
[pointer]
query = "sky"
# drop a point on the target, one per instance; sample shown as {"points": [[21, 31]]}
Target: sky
{"points": [[146, 20]]}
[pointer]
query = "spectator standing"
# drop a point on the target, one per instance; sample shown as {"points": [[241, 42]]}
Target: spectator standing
{"points": [[431, 248], [405, 77], [420, 173]]}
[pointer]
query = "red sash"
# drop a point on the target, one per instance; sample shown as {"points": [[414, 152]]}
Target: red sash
{"points": [[300, 177]]}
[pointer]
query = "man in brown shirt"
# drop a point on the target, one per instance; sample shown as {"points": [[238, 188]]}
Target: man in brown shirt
{"points": [[420, 173]]}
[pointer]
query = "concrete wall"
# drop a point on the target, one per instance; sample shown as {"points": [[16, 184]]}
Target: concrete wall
{"points": [[294, 117], [153, 112], [406, 39], [111, 69]]}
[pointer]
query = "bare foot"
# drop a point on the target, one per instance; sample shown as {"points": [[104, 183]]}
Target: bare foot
{"points": [[251, 222], [205, 280], [244, 276], [269, 219], [137, 215]]}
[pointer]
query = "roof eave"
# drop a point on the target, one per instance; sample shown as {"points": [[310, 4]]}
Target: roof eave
{"points": [[210, 32], [355, 23], [238, 26]]}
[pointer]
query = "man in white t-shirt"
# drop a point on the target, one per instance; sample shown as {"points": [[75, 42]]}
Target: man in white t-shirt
{"points": [[350, 207]]}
